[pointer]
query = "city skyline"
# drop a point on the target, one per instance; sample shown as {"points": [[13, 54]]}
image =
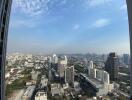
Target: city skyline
{"points": [[81, 26]]}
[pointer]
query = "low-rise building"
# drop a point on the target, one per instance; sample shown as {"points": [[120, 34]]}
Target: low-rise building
{"points": [[94, 86], [28, 95], [34, 75], [44, 81], [77, 86], [65, 86], [7, 75], [41, 95], [55, 89], [32, 82]]}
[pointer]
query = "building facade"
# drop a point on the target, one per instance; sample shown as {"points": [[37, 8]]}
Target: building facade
{"points": [[41, 95], [69, 74], [129, 7], [55, 59], [126, 59], [55, 89], [93, 87], [28, 95], [5, 8], [44, 81], [112, 66], [61, 70], [34, 75]]}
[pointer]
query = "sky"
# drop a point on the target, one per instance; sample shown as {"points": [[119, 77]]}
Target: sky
{"points": [[68, 26]]}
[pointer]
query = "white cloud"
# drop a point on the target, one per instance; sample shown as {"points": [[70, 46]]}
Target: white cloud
{"points": [[31, 7], [36, 7], [101, 23], [94, 3], [75, 27]]}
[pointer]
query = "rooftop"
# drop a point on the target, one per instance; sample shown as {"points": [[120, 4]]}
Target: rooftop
{"points": [[96, 83], [55, 86], [29, 91], [41, 93]]}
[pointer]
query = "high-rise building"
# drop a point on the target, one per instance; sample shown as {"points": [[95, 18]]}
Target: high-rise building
{"points": [[91, 64], [62, 64], [44, 81], [55, 58], [90, 67], [99, 75], [5, 7], [61, 69], [126, 59], [106, 77], [63, 60], [129, 7], [69, 74], [49, 59], [85, 62], [92, 73], [112, 66]]}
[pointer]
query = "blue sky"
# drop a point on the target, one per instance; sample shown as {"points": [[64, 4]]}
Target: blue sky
{"points": [[68, 26]]}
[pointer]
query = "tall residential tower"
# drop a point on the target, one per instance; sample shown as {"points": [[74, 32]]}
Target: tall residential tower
{"points": [[112, 66]]}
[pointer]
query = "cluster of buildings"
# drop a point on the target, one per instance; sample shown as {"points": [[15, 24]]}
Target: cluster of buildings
{"points": [[41, 93], [17, 64], [96, 80], [28, 95], [36, 92], [100, 81], [61, 70]]}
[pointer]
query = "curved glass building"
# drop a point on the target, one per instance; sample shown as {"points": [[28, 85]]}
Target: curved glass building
{"points": [[5, 8], [129, 7]]}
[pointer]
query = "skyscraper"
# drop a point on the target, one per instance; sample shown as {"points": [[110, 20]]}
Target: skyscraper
{"points": [[61, 69], [69, 74], [90, 67], [91, 64], [55, 58], [62, 64], [112, 66], [129, 8], [126, 59], [5, 7]]}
